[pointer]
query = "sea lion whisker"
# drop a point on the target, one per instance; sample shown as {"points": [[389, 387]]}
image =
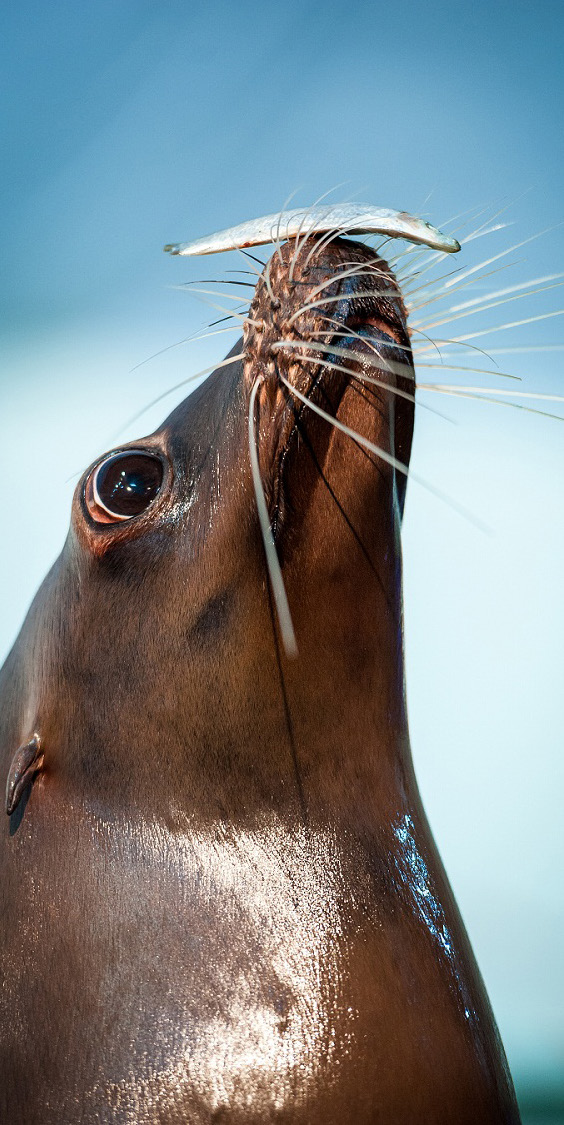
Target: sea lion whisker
{"points": [[436, 366], [414, 253], [231, 314], [349, 331], [485, 394], [227, 328], [310, 232], [287, 711], [212, 305], [404, 370], [262, 275], [363, 378], [353, 272], [391, 292], [500, 327], [277, 239], [183, 383], [455, 388], [474, 370], [525, 349], [485, 230], [307, 213], [271, 554], [274, 301], [485, 305], [500, 211], [404, 283], [509, 250], [537, 281], [442, 294], [248, 254], [429, 261], [364, 339], [192, 338], [218, 281], [388, 458], [423, 349], [210, 292], [429, 287], [321, 244]]}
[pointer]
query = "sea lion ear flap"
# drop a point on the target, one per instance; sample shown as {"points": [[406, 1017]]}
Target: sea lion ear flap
{"points": [[26, 763], [347, 218]]}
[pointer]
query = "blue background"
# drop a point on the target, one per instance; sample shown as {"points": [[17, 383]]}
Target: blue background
{"points": [[127, 125]]}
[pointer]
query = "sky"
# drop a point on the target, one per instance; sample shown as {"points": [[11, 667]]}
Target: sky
{"points": [[126, 126]]}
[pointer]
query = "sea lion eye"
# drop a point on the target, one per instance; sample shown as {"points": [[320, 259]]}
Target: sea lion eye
{"points": [[123, 485]]}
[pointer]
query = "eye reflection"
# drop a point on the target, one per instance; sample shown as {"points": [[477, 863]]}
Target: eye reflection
{"points": [[123, 486]]}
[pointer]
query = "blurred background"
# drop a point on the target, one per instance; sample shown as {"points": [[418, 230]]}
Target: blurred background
{"points": [[131, 124]]}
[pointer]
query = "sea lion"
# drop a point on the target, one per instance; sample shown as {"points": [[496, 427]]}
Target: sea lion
{"points": [[222, 902]]}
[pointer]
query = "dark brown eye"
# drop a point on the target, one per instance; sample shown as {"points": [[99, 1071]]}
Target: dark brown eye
{"points": [[123, 485]]}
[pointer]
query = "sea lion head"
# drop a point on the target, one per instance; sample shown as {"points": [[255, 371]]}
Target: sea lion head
{"points": [[156, 666]]}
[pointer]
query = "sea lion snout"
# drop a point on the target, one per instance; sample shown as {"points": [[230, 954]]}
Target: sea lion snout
{"points": [[327, 317]]}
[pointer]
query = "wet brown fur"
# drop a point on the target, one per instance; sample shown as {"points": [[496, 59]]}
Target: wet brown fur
{"points": [[222, 902]]}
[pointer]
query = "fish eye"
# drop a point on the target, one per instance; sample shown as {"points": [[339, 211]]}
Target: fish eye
{"points": [[123, 485]]}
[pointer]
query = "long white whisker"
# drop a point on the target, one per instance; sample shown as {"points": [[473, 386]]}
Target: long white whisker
{"points": [[480, 308], [320, 244], [272, 562], [382, 454], [392, 292], [277, 240], [504, 253], [502, 327], [474, 370], [189, 379], [512, 289], [424, 349], [360, 269], [351, 332], [429, 261], [193, 338], [361, 376], [311, 230], [229, 312], [209, 292], [485, 230], [455, 389], [442, 294], [526, 350], [404, 370], [455, 392]]}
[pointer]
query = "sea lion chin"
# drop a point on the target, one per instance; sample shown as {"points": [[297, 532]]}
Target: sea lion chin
{"points": [[223, 901]]}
